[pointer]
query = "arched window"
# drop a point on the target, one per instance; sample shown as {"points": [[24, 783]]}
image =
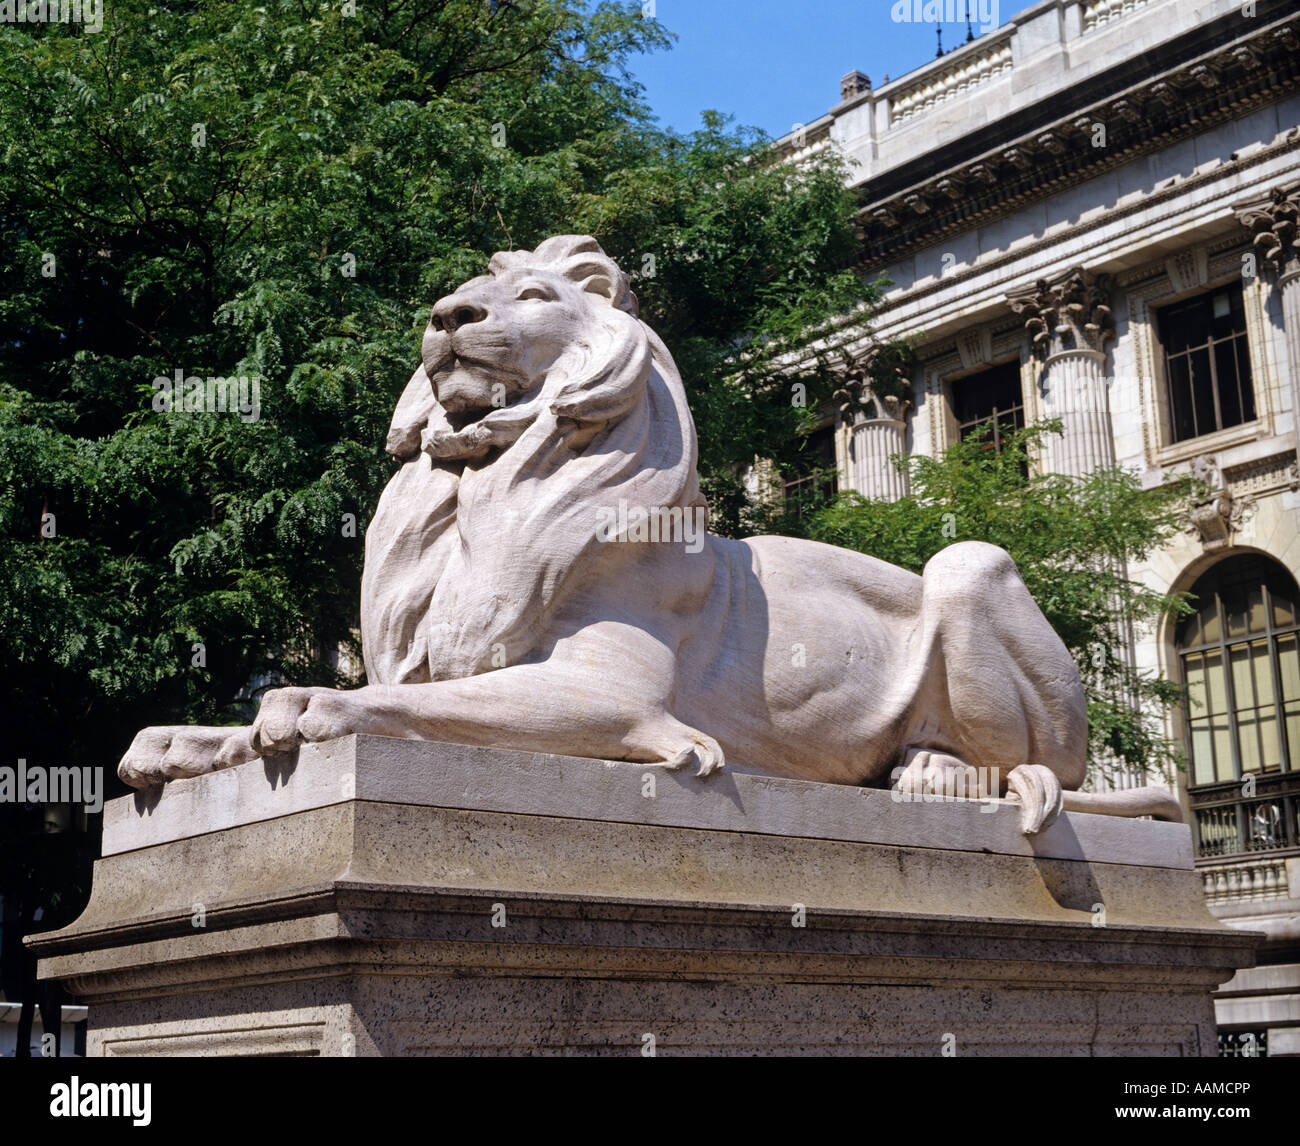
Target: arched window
{"points": [[1241, 662]]}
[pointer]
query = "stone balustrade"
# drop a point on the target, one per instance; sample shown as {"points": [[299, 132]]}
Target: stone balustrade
{"points": [[1099, 12], [936, 87], [1256, 879]]}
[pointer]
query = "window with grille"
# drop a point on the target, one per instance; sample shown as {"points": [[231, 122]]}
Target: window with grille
{"points": [[991, 399], [813, 480], [1207, 363], [1241, 662]]}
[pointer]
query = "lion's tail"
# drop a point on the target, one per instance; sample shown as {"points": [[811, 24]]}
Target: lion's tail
{"points": [[1157, 802]]}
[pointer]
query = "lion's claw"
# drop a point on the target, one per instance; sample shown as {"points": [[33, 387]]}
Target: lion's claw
{"points": [[702, 748]]}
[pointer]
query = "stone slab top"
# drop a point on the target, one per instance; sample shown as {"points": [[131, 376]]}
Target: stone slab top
{"points": [[457, 776]]}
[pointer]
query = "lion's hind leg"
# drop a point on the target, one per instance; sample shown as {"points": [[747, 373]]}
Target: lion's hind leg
{"points": [[929, 772]]}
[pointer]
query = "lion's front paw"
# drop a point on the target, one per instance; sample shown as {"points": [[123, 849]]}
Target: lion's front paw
{"points": [[331, 714], [174, 751], [276, 727]]}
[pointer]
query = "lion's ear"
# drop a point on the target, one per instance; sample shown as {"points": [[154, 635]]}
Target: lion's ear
{"points": [[613, 380], [416, 409]]}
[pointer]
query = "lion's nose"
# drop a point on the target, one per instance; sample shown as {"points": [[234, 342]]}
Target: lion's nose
{"points": [[451, 313]]}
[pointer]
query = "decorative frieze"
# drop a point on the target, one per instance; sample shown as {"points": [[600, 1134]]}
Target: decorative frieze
{"points": [[1281, 471], [1053, 143], [1188, 99]]}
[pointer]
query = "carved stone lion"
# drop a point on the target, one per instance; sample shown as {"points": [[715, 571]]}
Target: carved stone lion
{"points": [[537, 577]]}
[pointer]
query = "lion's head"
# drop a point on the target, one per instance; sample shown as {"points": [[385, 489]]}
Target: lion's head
{"points": [[540, 397], [530, 336], [499, 337]]}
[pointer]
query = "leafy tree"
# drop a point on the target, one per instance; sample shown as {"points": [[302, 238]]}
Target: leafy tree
{"points": [[280, 191], [1074, 540], [277, 190]]}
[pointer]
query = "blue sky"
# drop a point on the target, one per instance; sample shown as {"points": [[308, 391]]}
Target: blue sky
{"points": [[774, 63]]}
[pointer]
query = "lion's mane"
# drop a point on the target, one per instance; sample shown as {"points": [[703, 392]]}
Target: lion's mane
{"points": [[473, 549]]}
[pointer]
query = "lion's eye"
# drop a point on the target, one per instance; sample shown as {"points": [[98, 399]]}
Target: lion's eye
{"points": [[534, 292]]}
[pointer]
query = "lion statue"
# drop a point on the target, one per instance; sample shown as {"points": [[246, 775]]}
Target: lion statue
{"points": [[538, 577]]}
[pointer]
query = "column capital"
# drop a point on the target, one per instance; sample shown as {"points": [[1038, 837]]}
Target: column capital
{"points": [[1070, 311], [1273, 221], [883, 375]]}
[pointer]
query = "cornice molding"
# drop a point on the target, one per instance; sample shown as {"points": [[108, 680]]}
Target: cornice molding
{"points": [[1187, 99], [1105, 219]]}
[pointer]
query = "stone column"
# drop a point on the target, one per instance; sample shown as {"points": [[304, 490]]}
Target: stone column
{"points": [[1273, 221], [1068, 320], [1288, 285], [872, 406], [872, 443]]}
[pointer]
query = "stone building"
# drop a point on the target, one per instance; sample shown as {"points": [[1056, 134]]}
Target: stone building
{"points": [[1090, 213]]}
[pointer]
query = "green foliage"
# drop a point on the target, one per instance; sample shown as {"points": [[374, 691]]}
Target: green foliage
{"points": [[1075, 541], [276, 189]]}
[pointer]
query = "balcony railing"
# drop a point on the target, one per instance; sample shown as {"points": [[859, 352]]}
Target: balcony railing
{"points": [[1229, 823]]}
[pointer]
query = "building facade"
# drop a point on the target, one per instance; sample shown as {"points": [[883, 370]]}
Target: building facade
{"points": [[1090, 213]]}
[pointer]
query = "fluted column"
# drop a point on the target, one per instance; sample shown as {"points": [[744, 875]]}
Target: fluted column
{"points": [[873, 405], [872, 444], [1273, 221], [1288, 285], [1068, 321]]}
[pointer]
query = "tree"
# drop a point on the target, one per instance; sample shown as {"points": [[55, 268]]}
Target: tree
{"points": [[1074, 540], [278, 190]]}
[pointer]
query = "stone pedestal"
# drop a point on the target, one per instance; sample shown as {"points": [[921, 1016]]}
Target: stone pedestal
{"points": [[390, 897]]}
